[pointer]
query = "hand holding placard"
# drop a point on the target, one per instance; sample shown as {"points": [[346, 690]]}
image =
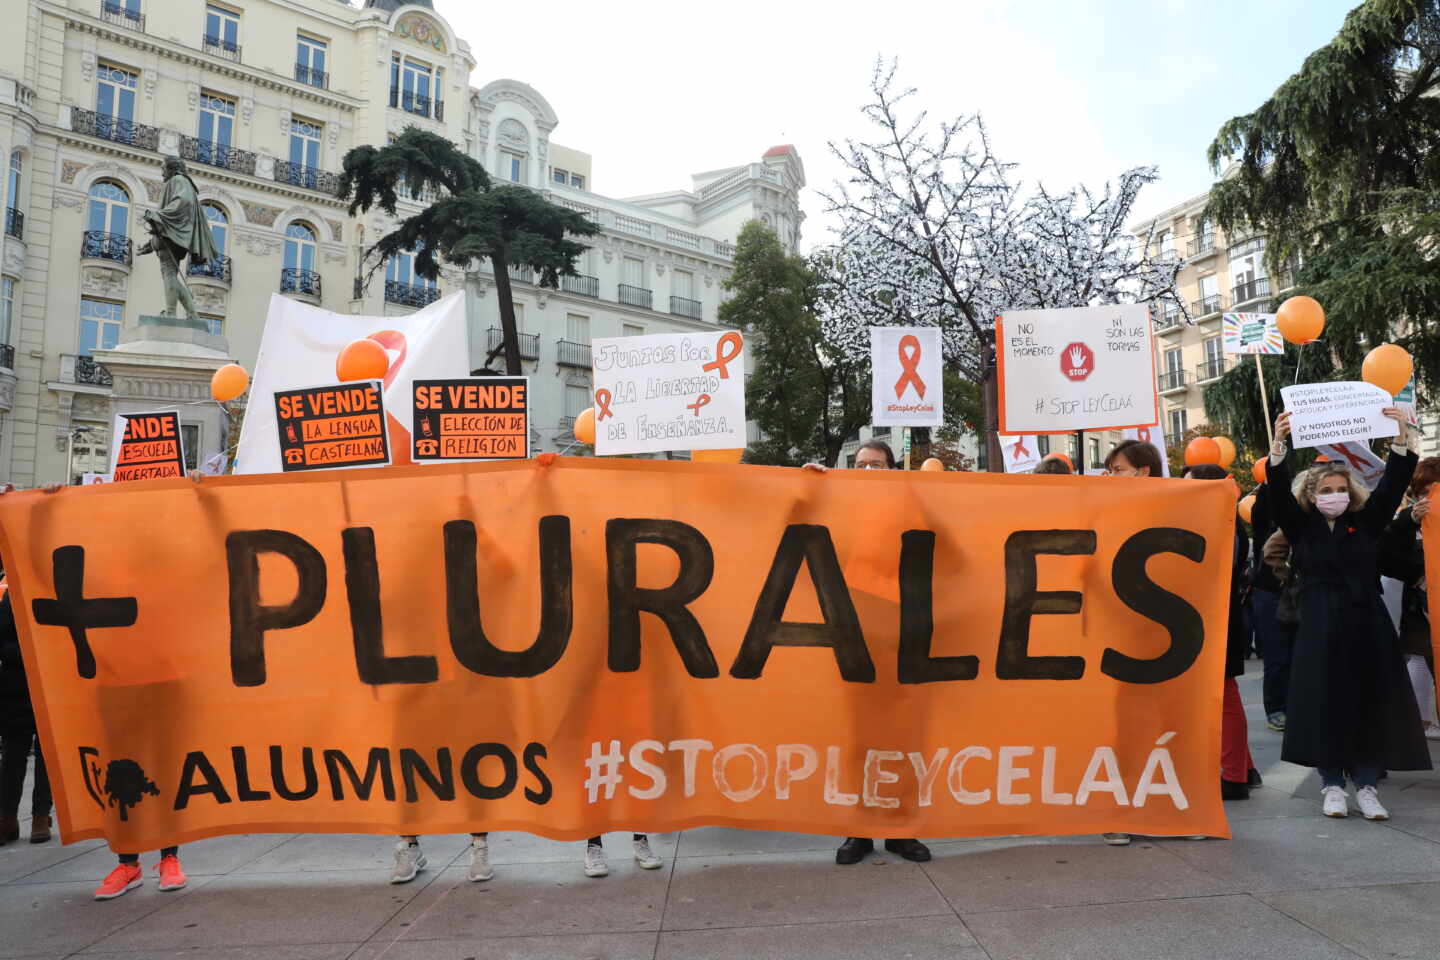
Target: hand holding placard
{"points": [[1323, 413]]}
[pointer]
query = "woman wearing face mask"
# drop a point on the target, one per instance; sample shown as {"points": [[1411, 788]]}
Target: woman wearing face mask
{"points": [[1351, 712]]}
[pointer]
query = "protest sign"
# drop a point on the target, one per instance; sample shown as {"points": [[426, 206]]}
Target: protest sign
{"points": [[906, 384], [588, 645], [91, 479], [1405, 400], [324, 428], [1322, 413], [1358, 457], [669, 391], [301, 344], [1089, 368], [475, 418], [1022, 453], [1247, 333], [148, 446], [1154, 435]]}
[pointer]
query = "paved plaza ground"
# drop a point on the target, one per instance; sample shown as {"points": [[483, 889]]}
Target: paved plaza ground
{"points": [[1290, 885]]}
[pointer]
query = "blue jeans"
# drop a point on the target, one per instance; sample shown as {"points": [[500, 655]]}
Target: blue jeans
{"points": [[1364, 775]]}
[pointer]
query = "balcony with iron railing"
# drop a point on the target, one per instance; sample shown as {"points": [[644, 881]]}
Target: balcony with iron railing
{"points": [[7, 356], [521, 274], [1248, 290], [569, 353], [1201, 246], [584, 285], [221, 47], [311, 76], [303, 282], [1206, 306], [1211, 369], [1167, 320], [529, 343], [1171, 380], [117, 129], [14, 223], [634, 296], [685, 307], [217, 270], [411, 294], [566, 429], [120, 16], [299, 175], [84, 370], [416, 104], [99, 245], [220, 155]]}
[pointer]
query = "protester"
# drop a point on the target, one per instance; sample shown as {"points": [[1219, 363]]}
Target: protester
{"points": [[1134, 458], [1274, 635], [410, 859], [1352, 712], [17, 737], [595, 865], [1403, 557], [1053, 464]]}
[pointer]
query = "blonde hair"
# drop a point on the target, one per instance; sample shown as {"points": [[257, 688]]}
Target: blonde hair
{"points": [[1304, 486]]}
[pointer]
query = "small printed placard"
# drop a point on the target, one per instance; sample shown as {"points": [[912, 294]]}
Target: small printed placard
{"points": [[471, 418], [322, 428], [148, 446]]}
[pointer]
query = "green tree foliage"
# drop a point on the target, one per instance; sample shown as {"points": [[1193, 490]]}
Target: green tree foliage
{"points": [[805, 396], [471, 219], [1339, 170]]}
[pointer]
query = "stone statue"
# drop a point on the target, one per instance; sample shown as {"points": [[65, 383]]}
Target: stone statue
{"points": [[176, 229]]}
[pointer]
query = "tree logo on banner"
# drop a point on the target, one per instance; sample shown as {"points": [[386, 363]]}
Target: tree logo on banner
{"points": [[1077, 361]]}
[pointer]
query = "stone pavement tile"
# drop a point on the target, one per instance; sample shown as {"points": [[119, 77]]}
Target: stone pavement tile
{"points": [[724, 841], [40, 919], [268, 908], [1269, 802], [371, 853], [20, 860], [306, 951], [574, 946], [533, 899], [1384, 923], [510, 847], [1300, 853], [1209, 928], [795, 888], [915, 938], [217, 855], [1003, 876]]}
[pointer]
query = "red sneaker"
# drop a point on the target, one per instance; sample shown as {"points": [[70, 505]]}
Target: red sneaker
{"points": [[124, 878], [171, 876]]}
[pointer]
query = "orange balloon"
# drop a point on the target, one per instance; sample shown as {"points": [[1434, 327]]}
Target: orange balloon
{"points": [[1227, 451], [932, 465], [1246, 507], [1202, 450], [1258, 470], [585, 426], [229, 382], [362, 360], [1388, 367], [1300, 319], [716, 456]]}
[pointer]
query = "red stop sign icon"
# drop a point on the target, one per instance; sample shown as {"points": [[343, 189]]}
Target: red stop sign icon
{"points": [[1077, 361]]}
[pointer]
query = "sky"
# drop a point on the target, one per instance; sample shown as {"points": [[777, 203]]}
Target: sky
{"points": [[1073, 91]]}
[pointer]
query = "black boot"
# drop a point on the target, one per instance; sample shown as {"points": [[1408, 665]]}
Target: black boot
{"points": [[1234, 790], [853, 850], [912, 850], [1253, 779]]}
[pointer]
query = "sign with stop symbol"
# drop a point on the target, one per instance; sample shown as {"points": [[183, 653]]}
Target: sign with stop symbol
{"points": [[1077, 362]]}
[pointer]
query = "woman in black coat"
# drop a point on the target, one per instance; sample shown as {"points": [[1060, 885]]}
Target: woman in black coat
{"points": [[1351, 711], [17, 737]]}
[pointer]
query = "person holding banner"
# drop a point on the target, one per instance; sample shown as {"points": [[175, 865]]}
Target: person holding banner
{"points": [[410, 859], [1402, 556], [1352, 712], [17, 738], [1134, 458]]}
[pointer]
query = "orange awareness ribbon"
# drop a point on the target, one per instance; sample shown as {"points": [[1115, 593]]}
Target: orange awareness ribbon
{"points": [[910, 360], [700, 401], [723, 356], [602, 404]]}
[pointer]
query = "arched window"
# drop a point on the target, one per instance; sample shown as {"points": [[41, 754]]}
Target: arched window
{"points": [[300, 247], [219, 225], [109, 208]]}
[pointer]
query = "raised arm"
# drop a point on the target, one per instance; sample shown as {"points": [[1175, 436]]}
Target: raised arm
{"points": [[1285, 513], [1385, 499]]}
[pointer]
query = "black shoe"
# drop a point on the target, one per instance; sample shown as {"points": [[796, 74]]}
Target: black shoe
{"points": [[853, 850], [1252, 779], [1234, 790], [912, 850]]}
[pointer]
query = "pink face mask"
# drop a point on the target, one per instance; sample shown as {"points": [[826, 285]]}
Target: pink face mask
{"points": [[1332, 505]]}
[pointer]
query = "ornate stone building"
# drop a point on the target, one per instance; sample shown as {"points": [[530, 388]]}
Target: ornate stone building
{"points": [[263, 98]]}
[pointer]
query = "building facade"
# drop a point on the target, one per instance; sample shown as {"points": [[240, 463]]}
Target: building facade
{"points": [[263, 98]]}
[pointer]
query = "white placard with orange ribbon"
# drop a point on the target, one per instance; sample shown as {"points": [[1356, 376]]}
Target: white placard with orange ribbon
{"points": [[905, 389], [1022, 452], [669, 391], [1155, 436]]}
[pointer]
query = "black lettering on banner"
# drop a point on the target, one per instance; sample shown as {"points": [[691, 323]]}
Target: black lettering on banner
{"points": [[412, 765], [628, 601], [367, 628], [470, 771], [1023, 600], [1138, 592], [197, 763], [917, 616], [70, 609], [811, 544], [534, 753], [462, 603], [249, 619], [277, 774], [377, 767], [241, 764]]}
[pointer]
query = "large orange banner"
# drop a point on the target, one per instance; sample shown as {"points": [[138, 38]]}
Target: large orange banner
{"points": [[592, 645]]}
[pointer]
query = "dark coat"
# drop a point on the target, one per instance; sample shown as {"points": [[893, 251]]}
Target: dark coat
{"points": [[15, 709], [1238, 639], [1350, 699], [1262, 524], [1403, 557]]}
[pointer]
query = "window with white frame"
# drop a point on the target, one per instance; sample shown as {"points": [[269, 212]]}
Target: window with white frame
{"points": [[577, 399], [214, 324], [1213, 352], [577, 328], [114, 98], [632, 330], [304, 145], [100, 323], [12, 183], [1177, 425], [519, 318], [401, 269], [217, 128], [561, 177], [219, 225], [415, 86], [222, 29], [632, 272], [109, 209], [7, 307], [577, 181], [1174, 360], [310, 60], [512, 166], [682, 283]]}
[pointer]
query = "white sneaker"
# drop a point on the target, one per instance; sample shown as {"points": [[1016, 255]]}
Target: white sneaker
{"points": [[645, 856], [1336, 803], [1116, 839], [408, 862], [595, 865], [1432, 731], [480, 859], [1368, 799]]}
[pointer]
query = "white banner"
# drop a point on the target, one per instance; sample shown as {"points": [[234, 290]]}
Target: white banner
{"points": [[906, 385], [1022, 453], [1089, 368], [1359, 458], [299, 348], [1330, 413], [1154, 435], [669, 391]]}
